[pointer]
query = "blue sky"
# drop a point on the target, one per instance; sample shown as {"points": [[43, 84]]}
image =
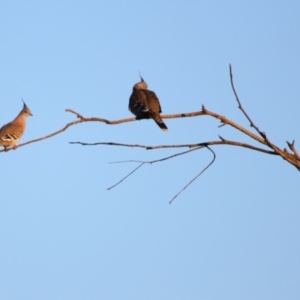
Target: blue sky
{"points": [[233, 234]]}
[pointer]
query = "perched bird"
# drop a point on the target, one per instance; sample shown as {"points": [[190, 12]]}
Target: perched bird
{"points": [[145, 104], [11, 133]]}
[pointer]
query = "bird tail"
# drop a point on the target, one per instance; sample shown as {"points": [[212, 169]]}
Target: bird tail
{"points": [[158, 120]]}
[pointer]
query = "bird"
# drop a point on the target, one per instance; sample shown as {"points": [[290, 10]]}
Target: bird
{"points": [[144, 104], [11, 133]]}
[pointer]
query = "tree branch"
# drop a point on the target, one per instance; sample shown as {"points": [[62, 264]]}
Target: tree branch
{"points": [[115, 122], [145, 162], [293, 158], [203, 144], [239, 102], [214, 157], [141, 163], [83, 119]]}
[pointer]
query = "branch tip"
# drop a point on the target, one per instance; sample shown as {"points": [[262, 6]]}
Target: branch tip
{"points": [[214, 157]]}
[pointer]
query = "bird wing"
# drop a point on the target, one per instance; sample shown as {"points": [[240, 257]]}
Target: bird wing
{"points": [[153, 102], [11, 132], [138, 101]]}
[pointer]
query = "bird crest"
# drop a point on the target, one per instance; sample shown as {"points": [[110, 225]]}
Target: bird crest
{"points": [[142, 85], [26, 111]]}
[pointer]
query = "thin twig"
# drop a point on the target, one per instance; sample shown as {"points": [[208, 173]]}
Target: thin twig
{"points": [[163, 159], [239, 102], [196, 176], [203, 144], [146, 162], [157, 160], [293, 159], [125, 177]]}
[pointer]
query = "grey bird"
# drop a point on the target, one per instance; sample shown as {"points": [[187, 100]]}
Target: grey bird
{"points": [[144, 104]]}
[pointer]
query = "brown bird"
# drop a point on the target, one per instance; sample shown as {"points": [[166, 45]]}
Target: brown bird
{"points": [[11, 133], [145, 104]]}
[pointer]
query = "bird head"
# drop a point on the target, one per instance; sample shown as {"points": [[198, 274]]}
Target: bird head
{"points": [[141, 85], [25, 111]]}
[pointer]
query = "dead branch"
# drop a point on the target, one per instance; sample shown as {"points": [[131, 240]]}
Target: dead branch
{"points": [[141, 163], [214, 157], [145, 162], [292, 147], [157, 160], [111, 187], [293, 158], [239, 102], [227, 121], [83, 119], [114, 122], [192, 146], [46, 136], [203, 144]]}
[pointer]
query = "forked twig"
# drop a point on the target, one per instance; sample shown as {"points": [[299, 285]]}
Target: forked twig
{"points": [[145, 162], [291, 158], [292, 147], [195, 176], [163, 159], [157, 160], [261, 138]]}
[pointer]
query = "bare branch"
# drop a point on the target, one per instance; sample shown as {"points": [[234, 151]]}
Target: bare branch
{"points": [[114, 122], [132, 145], [83, 119], [203, 144], [163, 159], [125, 177], [293, 159], [214, 157], [292, 147], [239, 102], [96, 119], [226, 121], [145, 162], [157, 160], [47, 136]]}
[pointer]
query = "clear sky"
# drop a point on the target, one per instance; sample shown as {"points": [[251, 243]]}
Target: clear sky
{"points": [[233, 234]]}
